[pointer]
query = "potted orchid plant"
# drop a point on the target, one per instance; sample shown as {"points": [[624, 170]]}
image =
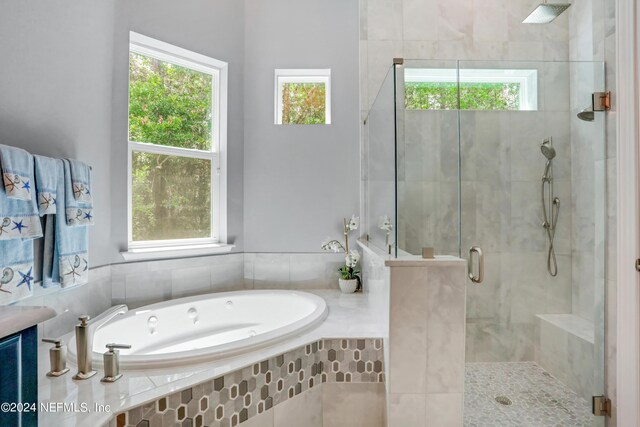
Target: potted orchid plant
{"points": [[349, 280]]}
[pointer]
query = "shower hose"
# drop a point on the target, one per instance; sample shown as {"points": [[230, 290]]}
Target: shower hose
{"points": [[551, 212]]}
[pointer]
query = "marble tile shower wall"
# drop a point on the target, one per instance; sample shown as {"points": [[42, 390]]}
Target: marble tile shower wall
{"points": [[610, 310], [501, 169], [588, 155], [468, 29], [451, 29], [593, 38], [502, 212]]}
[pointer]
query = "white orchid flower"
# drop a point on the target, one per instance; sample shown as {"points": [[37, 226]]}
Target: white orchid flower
{"points": [[385, 224], [332, 246], [353, 223], [352, 258]]}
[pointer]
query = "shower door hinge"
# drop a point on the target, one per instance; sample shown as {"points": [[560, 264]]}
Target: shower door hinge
{"points": [[601, 101], [601, 406]]}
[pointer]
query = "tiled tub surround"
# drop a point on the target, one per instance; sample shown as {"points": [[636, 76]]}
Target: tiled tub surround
{"points": [[292, 270], [142, 283], [350, 316], [244, 394]]}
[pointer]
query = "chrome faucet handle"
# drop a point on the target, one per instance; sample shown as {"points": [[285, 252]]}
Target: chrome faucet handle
{"points": [[112, 363], [84, 319], [57, 357]]}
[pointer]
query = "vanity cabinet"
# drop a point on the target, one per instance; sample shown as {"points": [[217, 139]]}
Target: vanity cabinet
{"points": [[19, 378]]}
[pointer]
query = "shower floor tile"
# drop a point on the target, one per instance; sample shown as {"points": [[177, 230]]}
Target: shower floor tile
{"points": [[537, 398]]}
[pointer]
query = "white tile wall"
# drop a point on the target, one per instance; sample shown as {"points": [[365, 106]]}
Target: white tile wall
{"points": [[329, 405], [426, 345], [70, 303], [292, 271], [353, 405], [303, 410]]}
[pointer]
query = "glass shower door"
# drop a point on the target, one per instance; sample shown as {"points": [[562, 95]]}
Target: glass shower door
{"points": [[506, 156], [532, 180]]}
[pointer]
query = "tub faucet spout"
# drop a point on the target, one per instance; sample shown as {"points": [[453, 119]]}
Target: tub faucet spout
{"points": [[84, 339]]}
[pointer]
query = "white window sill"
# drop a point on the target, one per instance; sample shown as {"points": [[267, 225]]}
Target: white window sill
{"points": [[143, 254]]}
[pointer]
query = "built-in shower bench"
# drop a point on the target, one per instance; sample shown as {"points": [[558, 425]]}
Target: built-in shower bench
{"points": [[566, 350]]}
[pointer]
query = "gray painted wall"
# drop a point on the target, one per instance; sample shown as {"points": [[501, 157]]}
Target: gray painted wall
{"points": [[64, 94], [55, 91], [299, 180], [212, 28], [65, 62]]}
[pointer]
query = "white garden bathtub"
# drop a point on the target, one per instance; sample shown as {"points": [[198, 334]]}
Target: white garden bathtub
{"points": [[206, 327]]}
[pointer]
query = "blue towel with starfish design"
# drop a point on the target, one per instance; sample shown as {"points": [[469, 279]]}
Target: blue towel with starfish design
{"points": [[19, 218], [46, 182], [80, 181], [17, 172], [79, 210], [66, 246], [19, 225], [16, 269]]}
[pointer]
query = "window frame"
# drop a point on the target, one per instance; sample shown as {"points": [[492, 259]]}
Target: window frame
{"points": [[527, 78], [166, 52], [320, 75]]}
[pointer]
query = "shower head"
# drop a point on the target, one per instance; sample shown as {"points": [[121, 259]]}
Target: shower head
{"points": [[546, 12], [586, 114], [547, 149]]}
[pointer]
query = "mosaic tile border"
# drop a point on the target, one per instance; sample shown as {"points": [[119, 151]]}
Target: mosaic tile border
{"points": [[230, 400]]}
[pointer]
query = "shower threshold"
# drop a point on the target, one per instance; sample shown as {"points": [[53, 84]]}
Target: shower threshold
{"points": [[535, 398]]}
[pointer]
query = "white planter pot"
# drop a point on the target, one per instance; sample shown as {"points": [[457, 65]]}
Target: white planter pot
{"points": [[348, 286]]}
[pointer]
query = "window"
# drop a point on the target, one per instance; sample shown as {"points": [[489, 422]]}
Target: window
{"points": [[177, 146], [480, 89], [303, 97]]}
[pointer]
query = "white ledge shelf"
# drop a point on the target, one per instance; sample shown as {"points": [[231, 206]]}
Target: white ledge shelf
{"points": [[408, 260], [144, 254]]}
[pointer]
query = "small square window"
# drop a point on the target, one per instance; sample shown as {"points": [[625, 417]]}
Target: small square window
{"points": [[303, 97]]}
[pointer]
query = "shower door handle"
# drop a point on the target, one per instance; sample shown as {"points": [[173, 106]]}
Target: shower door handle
{"points": [[480, 277]]}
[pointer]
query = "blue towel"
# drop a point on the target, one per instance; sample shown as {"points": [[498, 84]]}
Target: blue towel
{"points": [[46, 182], [66, 246], [78, 211], [19, 219], [81, 181], [19, 225], [17, 172], [16, 267]]}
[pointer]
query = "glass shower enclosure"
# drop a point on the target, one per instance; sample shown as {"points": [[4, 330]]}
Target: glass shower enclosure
{"points": [[504, 157]]}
